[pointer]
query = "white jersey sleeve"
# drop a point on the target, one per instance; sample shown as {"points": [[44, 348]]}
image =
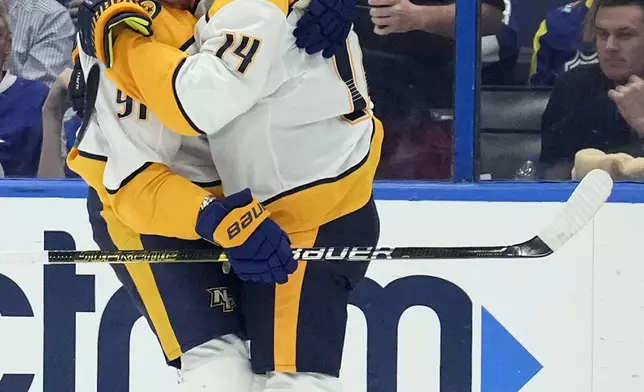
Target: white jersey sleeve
{"points": [[238, 63]]}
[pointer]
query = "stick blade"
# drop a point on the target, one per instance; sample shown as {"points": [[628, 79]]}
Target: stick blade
{"points": [[589, 196]]}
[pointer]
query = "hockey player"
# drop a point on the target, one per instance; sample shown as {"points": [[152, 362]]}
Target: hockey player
{"points": [[190, 307], [297, 130]]}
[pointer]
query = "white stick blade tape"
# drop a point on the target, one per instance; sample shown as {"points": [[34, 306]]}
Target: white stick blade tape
{"points": [[589, 196]]}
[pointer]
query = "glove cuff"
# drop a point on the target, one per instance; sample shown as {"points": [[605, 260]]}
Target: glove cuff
{"points": [[104, 20]]}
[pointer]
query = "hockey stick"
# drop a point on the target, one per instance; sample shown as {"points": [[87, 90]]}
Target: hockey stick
{"points": [[591, 193]]}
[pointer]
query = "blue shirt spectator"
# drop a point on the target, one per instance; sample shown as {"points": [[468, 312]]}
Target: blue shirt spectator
{"points": [[21, 103], [559, 45]]}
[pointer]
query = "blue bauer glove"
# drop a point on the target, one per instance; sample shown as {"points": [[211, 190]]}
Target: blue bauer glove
{"points": [[257, 248], [325, 26], [98, 19]]}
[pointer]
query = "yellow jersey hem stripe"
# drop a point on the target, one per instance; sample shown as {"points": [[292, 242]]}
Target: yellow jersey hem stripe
{"points": [[129, 178], [89, 155]]}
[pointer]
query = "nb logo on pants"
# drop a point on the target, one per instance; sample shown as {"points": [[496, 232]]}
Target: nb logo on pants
{"points": [[219, 297]]}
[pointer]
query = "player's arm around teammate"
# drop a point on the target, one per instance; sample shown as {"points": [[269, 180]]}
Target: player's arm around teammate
{"points": [[240, 44]]}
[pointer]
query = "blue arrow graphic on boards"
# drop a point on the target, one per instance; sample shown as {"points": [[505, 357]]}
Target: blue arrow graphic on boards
{"points": [[506, 366]]}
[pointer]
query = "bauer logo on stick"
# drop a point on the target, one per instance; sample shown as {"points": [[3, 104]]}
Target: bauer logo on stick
{"points": [[355, 253]]}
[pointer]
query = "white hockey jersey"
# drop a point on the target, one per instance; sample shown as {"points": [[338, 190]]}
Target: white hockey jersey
{"points": [[296, 129]]}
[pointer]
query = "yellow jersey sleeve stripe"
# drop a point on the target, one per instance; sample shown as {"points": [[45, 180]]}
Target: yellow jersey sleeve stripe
{"points": [[157, 201]]}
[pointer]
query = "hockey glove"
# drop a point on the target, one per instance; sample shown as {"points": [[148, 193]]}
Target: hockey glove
{"points": [[98, 20], [257, 248], [325, 26], [76, 89]]}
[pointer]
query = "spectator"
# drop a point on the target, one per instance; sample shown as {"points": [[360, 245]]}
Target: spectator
{"points": [[422, 59], [433, 24], [43, 38], [580, 113], [412, 73], [629, 99], [500, 51], [401, 16], [21, 101], [559, 44]]}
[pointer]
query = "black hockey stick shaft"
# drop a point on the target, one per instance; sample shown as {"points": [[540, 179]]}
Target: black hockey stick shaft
{"points": [[532, 248]]}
